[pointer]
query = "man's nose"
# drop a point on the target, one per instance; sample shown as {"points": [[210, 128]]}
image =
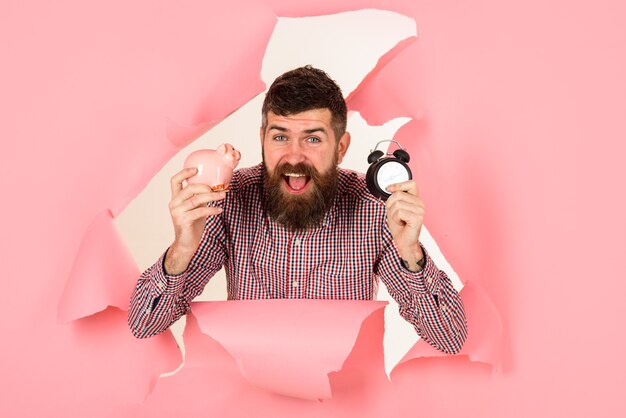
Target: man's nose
{"points": [[295, 153]]}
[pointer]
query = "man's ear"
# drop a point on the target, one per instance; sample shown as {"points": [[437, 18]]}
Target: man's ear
{"points": [[342, 146]]}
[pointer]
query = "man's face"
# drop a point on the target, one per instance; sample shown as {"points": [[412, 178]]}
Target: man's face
{"points": [[300, 154]]}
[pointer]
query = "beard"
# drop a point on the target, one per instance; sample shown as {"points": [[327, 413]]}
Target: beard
{"points": [[299, 211]]}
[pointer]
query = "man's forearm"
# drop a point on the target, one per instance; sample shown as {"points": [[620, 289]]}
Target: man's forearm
{"points": [[412, 260], [152, 310], [176, 260]]}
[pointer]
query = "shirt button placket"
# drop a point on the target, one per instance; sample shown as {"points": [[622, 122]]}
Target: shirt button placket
{"points": [[295, 290]]}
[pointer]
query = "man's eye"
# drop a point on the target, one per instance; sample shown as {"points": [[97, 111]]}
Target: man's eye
{"points": [[313, 139], [280, 138]]}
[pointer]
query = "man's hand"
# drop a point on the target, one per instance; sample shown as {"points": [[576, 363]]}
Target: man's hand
{"points": [[405, 216], [189, 211]]}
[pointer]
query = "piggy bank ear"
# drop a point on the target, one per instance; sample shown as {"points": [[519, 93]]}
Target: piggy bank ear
{"points": [[236, 155], [222, 149]]}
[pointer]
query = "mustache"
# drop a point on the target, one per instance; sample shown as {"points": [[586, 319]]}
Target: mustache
{"points": [[299, 168]]}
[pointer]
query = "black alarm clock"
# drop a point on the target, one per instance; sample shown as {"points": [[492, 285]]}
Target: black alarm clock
{"points": [[386, 169]]}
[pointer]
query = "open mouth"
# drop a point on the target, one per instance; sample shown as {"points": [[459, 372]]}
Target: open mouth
{"points": [[296, 182]]}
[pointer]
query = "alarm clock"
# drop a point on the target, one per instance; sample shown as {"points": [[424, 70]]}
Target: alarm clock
{"points": [[386, 169]]}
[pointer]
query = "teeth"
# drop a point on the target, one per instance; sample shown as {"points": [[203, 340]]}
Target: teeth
{"points": [[294, 175]]}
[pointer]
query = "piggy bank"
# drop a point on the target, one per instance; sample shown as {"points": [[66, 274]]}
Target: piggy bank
{"points": [[215, 167]]}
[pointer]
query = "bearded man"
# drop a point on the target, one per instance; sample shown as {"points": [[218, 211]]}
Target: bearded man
{"points": [[297, 226]]}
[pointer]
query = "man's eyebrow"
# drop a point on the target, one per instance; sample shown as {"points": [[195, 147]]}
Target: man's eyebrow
{"points": [[306, 131], [313, 130]]}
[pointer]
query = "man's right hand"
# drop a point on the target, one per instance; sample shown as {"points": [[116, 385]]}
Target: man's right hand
{"points": [[189, 211]]}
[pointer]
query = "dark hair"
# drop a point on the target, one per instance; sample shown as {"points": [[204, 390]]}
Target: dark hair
{"points": [[303, 89]]}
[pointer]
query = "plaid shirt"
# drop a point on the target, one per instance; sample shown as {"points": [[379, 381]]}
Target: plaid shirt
{"points": [[343, 258]]}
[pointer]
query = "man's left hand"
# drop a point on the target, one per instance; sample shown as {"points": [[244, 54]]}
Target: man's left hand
{"points": [[405, 216]]}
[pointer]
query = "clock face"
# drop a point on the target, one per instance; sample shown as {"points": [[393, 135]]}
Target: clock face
{"points": [[384, 172], [391, 172]]}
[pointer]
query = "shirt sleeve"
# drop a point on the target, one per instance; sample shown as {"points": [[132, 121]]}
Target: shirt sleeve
{"points": [[159, 299], [426, 298]]}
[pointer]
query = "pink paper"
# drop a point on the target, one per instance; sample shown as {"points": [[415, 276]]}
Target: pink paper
{"points": [[93, 365], [375, 102], [210, 380], [286, 346], [103, 274]]}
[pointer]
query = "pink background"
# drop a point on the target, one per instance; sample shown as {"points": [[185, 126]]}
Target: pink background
{"points": [[518, 154]]}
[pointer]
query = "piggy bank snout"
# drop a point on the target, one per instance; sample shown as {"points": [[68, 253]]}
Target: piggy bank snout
{"points": [[230, 155]]}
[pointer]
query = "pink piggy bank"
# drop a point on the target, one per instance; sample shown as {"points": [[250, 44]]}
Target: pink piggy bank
{"points": [[215, 167]]}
